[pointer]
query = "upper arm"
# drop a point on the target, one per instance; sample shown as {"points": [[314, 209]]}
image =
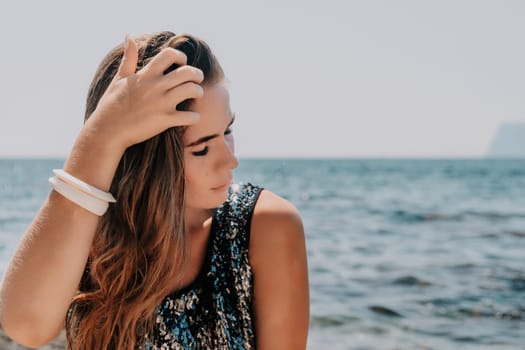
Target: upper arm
{"points": [[278, 258]]}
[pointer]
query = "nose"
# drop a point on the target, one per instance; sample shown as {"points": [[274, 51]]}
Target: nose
{"points": [[228, 159]]}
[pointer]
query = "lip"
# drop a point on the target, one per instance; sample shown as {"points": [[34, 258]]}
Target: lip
{"points": [[222, 187]]}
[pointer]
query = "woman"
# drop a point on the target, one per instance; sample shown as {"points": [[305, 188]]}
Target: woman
{"points": [[182, 259]]}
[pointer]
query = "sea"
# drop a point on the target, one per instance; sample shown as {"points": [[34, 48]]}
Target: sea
{"points": [[402, 253]]}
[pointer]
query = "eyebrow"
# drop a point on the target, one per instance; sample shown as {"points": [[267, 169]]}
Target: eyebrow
{"points": [[210, 137]]}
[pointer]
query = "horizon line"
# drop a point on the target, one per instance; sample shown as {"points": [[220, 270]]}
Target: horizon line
{"points": [[317, 157]]}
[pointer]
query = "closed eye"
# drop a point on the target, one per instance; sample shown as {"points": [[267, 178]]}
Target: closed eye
{"points": [[201, 153], [205, 150]]}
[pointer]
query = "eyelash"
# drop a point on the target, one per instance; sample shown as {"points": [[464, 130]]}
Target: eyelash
{"points": [[201, 153], [205, 150]]}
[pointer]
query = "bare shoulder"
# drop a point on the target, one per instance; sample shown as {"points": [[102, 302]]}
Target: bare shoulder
{"points": [[277, 254], [276, 224], [270, 202]]}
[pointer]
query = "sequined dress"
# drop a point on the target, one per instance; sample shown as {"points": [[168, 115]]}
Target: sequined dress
{"points": [[215, 311]]}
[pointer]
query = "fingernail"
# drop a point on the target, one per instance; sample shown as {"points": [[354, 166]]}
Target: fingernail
{"points": [[126, 40]]}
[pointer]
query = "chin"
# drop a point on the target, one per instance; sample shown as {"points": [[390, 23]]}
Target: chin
{"points": [[212, 199], [221, 196]]}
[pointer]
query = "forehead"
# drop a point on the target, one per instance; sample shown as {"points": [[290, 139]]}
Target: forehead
{"points": [[214, 110]]}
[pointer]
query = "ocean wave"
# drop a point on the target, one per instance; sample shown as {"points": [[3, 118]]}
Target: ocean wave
{"points": [[411, 281], [456, 308], [335, 320], [406, 216]]}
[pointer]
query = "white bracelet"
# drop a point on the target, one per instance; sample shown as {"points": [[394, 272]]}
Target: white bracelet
{"points": [[84, 187], [86, 201]]}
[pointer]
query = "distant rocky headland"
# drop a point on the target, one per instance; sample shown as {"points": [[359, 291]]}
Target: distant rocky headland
{"points": [[509, 141]]}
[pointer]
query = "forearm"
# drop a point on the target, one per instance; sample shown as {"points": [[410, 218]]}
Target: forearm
{"points": [[47, 267]]}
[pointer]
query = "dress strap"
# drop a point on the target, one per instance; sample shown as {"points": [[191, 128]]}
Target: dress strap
{"points": [[236, 213]]}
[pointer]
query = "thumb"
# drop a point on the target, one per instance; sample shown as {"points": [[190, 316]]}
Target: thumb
{"points": [[128, 65]]}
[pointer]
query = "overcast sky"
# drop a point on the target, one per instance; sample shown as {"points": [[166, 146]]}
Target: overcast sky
{"points": [[307, 78]]}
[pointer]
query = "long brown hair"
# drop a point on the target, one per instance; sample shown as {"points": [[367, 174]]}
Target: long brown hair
{"points": [[140, 241]]}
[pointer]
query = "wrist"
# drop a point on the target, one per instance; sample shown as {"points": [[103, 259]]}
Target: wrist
{"points": [[100, 137], [94, 159]]}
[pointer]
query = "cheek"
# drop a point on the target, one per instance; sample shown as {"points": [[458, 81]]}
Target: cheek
{"points": [[193, 183], [195, 173], [189, 176], [188, 171]]}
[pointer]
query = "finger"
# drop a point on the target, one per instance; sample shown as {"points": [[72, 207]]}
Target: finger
{"points": [[128, 65], [184, 92], [179, 118], [163, 60], [182, 75]]}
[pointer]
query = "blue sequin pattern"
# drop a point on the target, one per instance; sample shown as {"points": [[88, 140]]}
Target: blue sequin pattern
{"points": [[215, 311]]}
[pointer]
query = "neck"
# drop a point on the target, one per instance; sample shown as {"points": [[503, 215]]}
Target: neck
{"points": [[196, 219]]}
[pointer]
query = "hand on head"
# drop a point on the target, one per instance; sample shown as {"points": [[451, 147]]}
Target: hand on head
{"points": [[139, 105]]}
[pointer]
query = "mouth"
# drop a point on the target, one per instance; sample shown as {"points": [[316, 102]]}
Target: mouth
{"points": [[223, 186]]}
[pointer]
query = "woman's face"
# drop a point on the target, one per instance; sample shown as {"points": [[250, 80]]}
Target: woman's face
{"points": [[208, 150]]}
